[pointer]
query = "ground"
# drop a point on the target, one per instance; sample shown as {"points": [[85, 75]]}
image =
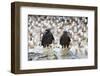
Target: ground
{"points": [[40, 53]]}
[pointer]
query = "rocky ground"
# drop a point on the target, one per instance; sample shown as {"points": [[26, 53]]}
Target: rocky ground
{"points": [[40, 53]]}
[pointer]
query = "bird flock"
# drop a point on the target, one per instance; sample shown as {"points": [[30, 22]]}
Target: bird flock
{"points": [[57, 37]]}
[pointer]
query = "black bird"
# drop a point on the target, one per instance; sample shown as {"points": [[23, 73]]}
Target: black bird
{"points": [[65, 40], [47, 38]]}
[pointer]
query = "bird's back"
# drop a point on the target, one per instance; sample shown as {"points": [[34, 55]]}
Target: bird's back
{"points": [[65, 40], [47, 39]]}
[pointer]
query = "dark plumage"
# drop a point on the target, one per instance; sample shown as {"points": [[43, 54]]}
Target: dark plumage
{"points": [[65, 40], [47, 38]]}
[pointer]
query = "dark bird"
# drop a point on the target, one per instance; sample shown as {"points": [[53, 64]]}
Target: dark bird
{"points": [[65, 40], [47, 38]]}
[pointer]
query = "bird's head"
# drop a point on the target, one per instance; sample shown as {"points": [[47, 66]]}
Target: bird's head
{"points": [[65, 32], [48, 30]]}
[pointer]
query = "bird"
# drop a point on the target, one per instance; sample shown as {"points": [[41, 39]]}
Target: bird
{"points": [[65, 40], [47, 38]]}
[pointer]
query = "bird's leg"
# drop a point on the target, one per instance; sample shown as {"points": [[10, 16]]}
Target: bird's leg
{"points": [[45, 51], [64, 51], [50, 53]]}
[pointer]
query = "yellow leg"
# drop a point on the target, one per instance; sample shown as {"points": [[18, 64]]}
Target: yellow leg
{"points": [[64, 51]]}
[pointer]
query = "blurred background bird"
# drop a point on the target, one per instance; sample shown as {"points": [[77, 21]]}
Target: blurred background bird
{"points": [[64, 42]]}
